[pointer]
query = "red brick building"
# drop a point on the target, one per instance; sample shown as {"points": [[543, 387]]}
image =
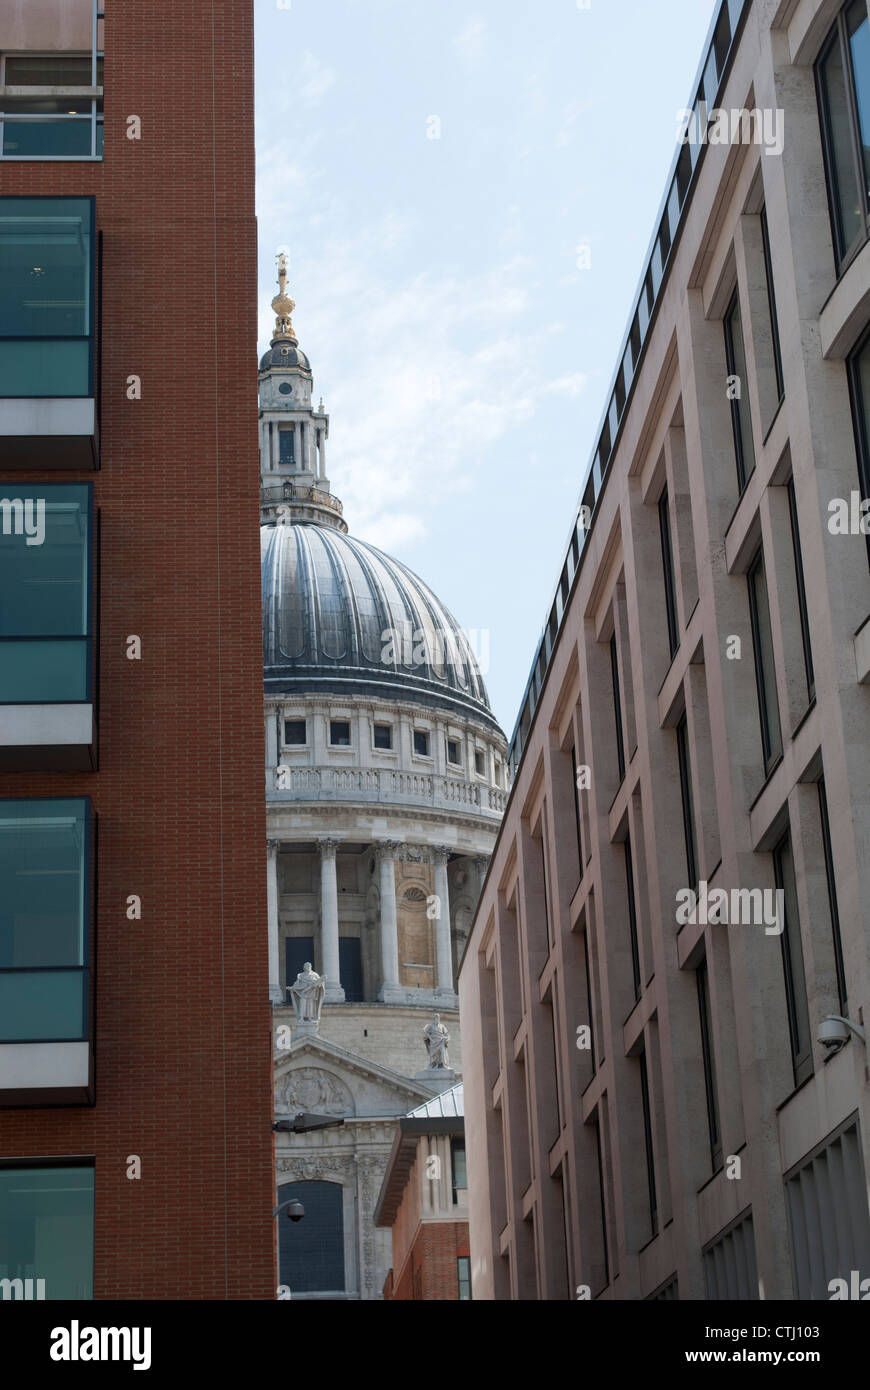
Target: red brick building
{"points": [[423, 1201], [134, 1006]]}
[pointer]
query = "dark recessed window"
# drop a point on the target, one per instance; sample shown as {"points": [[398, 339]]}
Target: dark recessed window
{"points": [[421, 743], [668, 567], [859, 387], [383, 736], [842, 988], [709, 1059], [295, 732], [480, 764], [47, 296], [26, 128], [46, 623], [458, 1167], [578, 819], [843, 87], [771, 304], [688, 806], [801, 591], [285, 388], [617, 707], [632, 918], [339, 733], [453, 754], [44, 920], [793, 963], [765, 670], [463, 1274], [741, 423], [286, 446], [648, 1145], [49, 1230]]}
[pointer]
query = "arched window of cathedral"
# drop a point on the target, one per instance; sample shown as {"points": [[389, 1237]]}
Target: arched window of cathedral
{"points": [[417, 964], [311, 1251]]}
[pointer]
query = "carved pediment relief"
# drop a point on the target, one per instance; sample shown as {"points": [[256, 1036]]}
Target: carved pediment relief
{"points": [[314, 1090]]}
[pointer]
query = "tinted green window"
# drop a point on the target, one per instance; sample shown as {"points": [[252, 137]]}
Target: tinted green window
{"points": [[24, 137], [46, 287], [47, 1229], [43, 919], [44, 592]]}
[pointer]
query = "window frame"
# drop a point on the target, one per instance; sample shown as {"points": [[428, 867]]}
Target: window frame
{"points": [[617, 707], [860, 418], [85, 967], [457, 744], [89, 636], [803, 613], [734, 311], [689, 828], [664, 511], [425, 734], [837, 36], [790, 937], [95, 116], [92, 336], [708, 1057], [349, 724], [771, 304], [770, 755], [290, 743]]}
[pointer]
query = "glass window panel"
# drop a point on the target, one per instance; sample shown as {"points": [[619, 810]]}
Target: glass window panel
{"points": [[43, 875], [47, 1228], [40, 139], [43, 1006], [45, 267], [845, 195], [673, 209], [765, 669], [40, 367], [858, 29], [47, 672], [711, 79], [66, 70], [793, 962], [740, 415], [44, 585]]}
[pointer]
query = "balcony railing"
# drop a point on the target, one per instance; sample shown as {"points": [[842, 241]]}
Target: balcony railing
{"points": [[385, 787]]}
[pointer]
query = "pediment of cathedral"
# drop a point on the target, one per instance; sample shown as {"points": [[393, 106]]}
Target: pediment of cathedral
{"points": [[323, 1079]]}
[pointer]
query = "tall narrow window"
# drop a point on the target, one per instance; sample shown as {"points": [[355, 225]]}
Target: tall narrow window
{"points": [[741, 422], [859, 387], [709, 1060], [765, 671], [771, 302], [589, 996], [668, 567], [463, 1275], [48, 1228], [617, 707], [793, 963], [632, 919], [286, 446], [688, 804], [801, 591], [843, 87], [842, 989], [578, 819], [648, 1145]]}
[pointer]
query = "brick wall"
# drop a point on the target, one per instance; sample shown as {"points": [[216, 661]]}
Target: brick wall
{"points": [[430, 1271], [183, 1052]]}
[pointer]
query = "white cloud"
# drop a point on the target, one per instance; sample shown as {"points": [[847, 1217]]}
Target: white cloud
{"points": [[471, 40], [570, 385], [312, 81]]}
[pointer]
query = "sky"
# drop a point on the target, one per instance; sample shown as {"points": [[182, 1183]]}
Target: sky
{"points": [[433, 171]]}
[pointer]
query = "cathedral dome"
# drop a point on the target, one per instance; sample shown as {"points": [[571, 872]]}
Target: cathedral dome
{"points": [[340, 616], [285, 355]]}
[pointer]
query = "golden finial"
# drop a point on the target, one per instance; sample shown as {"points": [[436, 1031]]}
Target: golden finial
{"points": [[283, 304]]}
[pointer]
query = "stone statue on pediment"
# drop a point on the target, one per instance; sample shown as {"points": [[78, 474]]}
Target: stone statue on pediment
{"points": [[307, 993], [436, 1038]]}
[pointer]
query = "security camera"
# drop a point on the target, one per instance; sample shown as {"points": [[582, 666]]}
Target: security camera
{"points": [[834, 1031], [295, 1211]]}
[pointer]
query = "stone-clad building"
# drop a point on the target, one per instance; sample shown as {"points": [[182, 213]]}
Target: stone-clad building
{"points": [[385, 783], [667, 1092]]}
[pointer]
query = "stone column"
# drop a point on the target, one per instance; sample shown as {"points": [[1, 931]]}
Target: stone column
{"points": [[322, 471], [275, 994], [329, 921], [444, 955], [390, 991]]}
